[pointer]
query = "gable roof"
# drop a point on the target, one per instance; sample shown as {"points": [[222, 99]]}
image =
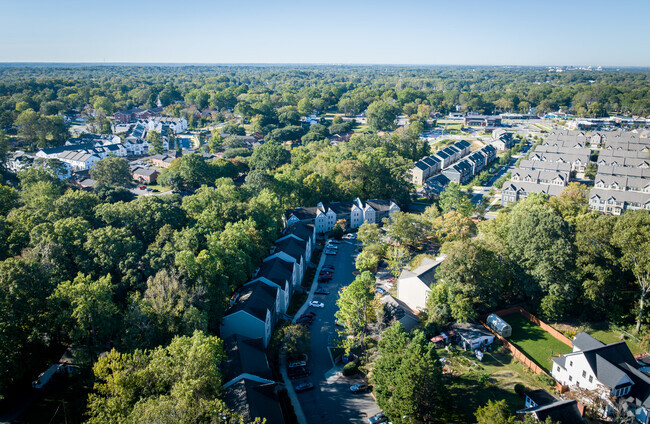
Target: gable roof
{"points": [[254, 399], [301, 230], [584, 341], [256, 299], [244, 355], [541, 397], [564, 411], [292, 247], [277, 270]]}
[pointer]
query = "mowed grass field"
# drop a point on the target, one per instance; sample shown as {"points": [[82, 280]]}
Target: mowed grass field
{"points": [[534, 342]]}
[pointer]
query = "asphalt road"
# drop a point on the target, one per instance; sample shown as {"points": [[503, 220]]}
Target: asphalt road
{"points": [[331, 400]]}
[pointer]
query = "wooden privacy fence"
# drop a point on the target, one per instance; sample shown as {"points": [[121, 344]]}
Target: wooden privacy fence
{"points": [[519, 354], [552, 331]]}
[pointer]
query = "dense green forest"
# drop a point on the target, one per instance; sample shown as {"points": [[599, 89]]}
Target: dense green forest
{"points": [[32, 99]]}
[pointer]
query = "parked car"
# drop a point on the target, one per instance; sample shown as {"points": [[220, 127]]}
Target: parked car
{"points": [[142, 187], [305, 321], [335, 241], [381, 291], [330, 252], [308, 314], [316, 304], [329, 268], [304, 387], [321, 291], [378, 418], [389, 285], [359, 387], [298, 373], [336, 322], [297, 364]]}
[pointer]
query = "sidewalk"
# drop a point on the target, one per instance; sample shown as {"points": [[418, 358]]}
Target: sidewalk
{"points": [[297, 408]]}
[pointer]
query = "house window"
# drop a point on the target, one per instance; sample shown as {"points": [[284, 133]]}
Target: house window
{"points": [[591, 378], [558, 369], [570, 363], [570, 378], [584, 374]]}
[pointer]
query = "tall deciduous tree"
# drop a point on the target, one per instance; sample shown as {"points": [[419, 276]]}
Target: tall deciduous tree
{"points": [[407, 378], [357, 305], [175, 383], [632, 237], [453, 198], [111, 171], [155, 142], [89, 306], [382, 115]]}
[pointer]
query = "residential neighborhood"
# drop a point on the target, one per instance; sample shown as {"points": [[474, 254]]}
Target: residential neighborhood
{"points": [[378, 230]]}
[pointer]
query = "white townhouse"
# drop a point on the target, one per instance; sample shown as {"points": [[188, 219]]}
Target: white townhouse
{"points": [[356, 212]]}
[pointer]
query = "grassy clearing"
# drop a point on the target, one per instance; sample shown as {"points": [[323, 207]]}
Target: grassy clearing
{"points": [[609, 335], [533, 341], [474, 383]]}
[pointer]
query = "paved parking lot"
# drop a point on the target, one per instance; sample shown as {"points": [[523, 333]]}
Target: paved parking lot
{"points": [[331, 400]]}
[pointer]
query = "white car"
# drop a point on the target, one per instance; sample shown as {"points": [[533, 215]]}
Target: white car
{"points": [[316, 304]]}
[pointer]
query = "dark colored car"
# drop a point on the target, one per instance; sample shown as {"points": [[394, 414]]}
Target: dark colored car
{"points": [[304, 387], [308, 314], [321, 291]]}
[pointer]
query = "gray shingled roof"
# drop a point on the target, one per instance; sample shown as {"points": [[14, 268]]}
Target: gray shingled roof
{"points": [[244, 355], [252, 399]]}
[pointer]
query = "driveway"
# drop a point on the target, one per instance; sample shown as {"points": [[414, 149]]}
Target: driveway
{"points": [[331, 400]]}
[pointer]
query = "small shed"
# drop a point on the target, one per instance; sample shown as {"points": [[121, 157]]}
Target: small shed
{"points": [[497, 324]]}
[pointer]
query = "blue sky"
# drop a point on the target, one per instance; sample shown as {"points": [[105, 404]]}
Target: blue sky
{"points": [[523, 32]]}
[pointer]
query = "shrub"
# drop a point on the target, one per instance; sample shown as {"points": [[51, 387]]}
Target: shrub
{"points": [[546, 379], [351, 368], [520, 389]]}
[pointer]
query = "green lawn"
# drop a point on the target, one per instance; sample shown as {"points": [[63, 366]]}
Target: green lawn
{"points": [[608, 336], [533, 341], [494, 379]]}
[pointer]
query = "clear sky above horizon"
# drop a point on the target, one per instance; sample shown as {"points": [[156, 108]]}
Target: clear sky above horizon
{"points": [[569, 32]]}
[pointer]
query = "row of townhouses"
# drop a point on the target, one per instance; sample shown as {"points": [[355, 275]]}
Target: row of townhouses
{"points": [[325, 215], [248, 323], [461, 172], [623, 178], [79, 154], [432, 165], [259, 304], [548, 169]]}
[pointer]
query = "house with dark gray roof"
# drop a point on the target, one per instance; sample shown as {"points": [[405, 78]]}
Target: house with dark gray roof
{"points": [[244, 356], [542, 405], [253, 312], [608, 370], [253, 398], [280, 272]]}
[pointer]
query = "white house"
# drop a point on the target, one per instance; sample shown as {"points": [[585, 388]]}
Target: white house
{"points": [[609, 371], [325, 215], [413, 287]]}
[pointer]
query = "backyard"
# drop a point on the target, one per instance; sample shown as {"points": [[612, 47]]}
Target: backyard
{"points": [[534, 342], [472, 383]]}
